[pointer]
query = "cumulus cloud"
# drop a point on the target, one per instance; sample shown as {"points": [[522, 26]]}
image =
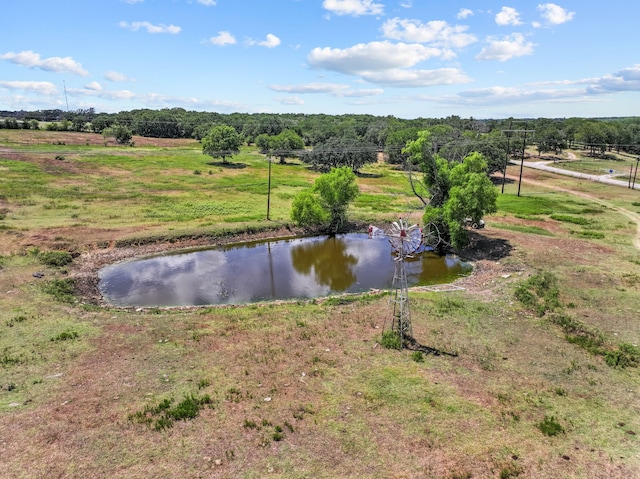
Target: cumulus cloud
{"points": [[353, 7], [150, 27], [94, 85], [374, 56], [464, 13], [223, 38], [555, 14], [116, 77], [39, 87], [627, 79], [207, 3], [417, 78], [271, 41], [511, 46], [508, 16], [31, 59], [436, 32], [387, 64]]}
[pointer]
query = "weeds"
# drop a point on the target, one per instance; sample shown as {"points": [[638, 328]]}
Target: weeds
{"points": [[165, 414], [16, 320], [417, 356], [576, 220], [61, 289], [550, 427], [539, 292], [65, 336], [390, 340]]}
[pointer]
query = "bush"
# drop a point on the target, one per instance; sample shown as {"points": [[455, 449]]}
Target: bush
{"points": [[55, 258], [390, 340]]}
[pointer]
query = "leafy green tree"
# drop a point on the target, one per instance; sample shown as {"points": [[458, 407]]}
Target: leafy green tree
{"points": [[327, 203], [286, 144], [458, 191], [396, 141], [550, 138], [307, 210], [121, 133], [222, 141], [338, 152]]}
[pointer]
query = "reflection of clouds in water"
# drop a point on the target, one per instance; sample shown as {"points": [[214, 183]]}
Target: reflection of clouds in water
{"points": [[284, 269]]}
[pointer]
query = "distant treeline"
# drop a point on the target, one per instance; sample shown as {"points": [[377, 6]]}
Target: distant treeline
{"points": [[386, 133]]}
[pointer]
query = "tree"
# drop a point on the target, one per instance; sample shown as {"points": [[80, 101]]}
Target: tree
{"points": [[339, 152], [458, 191], [327, 203], [286, 144], [222, 141], [121, 133]]}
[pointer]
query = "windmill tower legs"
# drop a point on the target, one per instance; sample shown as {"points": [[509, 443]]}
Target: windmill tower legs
{"points": [[401, 319]]}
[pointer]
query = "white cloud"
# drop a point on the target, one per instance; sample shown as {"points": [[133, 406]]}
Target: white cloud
{"points": [[223, 38], [511, 46], [39, 87], [508, 16], [94, 85], [387, 64], [150, 27], [334, 89], [371, 57], [437, 32], [31, 59], [464, 13], [133, 1], [270, 42], [417, 78], [116, 77], [207, 3], [406, 4], [353, 7], [289, 100], [627, 79], [554, 14], [581, 90]]}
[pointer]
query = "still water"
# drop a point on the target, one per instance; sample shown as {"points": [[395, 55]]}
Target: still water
{"points": [[299, 268]]}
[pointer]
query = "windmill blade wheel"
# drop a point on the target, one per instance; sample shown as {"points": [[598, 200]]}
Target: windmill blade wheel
{"points": [[431, 235]]}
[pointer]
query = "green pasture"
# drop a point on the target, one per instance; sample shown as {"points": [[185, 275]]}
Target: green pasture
{"points": [[529, 384]]}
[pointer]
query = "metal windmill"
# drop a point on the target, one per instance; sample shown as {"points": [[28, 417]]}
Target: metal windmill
{"points": [[405, 240]]}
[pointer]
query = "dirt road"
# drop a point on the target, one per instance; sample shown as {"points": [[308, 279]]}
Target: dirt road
{"points": [[635, 217]]}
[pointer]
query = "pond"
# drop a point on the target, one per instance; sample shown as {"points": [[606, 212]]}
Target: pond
{"points": [[299, 268]]}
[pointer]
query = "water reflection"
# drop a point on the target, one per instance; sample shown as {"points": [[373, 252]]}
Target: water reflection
{"points": [[328, 259], [284, 269]]}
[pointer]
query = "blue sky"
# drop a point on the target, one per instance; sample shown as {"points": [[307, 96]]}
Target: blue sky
{"points": [[406, 58]]}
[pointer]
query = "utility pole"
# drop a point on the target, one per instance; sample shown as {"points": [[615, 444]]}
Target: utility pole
{"points": [[524, 146], [633, 186], [64, 85], [506, 158], [269, 187]]}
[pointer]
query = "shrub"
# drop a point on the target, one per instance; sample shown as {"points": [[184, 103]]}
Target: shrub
{"points": [[55, 258], [390, 340], [417, 356]]}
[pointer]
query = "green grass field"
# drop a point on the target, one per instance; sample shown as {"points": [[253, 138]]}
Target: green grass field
{"points": [[543, 382]]}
